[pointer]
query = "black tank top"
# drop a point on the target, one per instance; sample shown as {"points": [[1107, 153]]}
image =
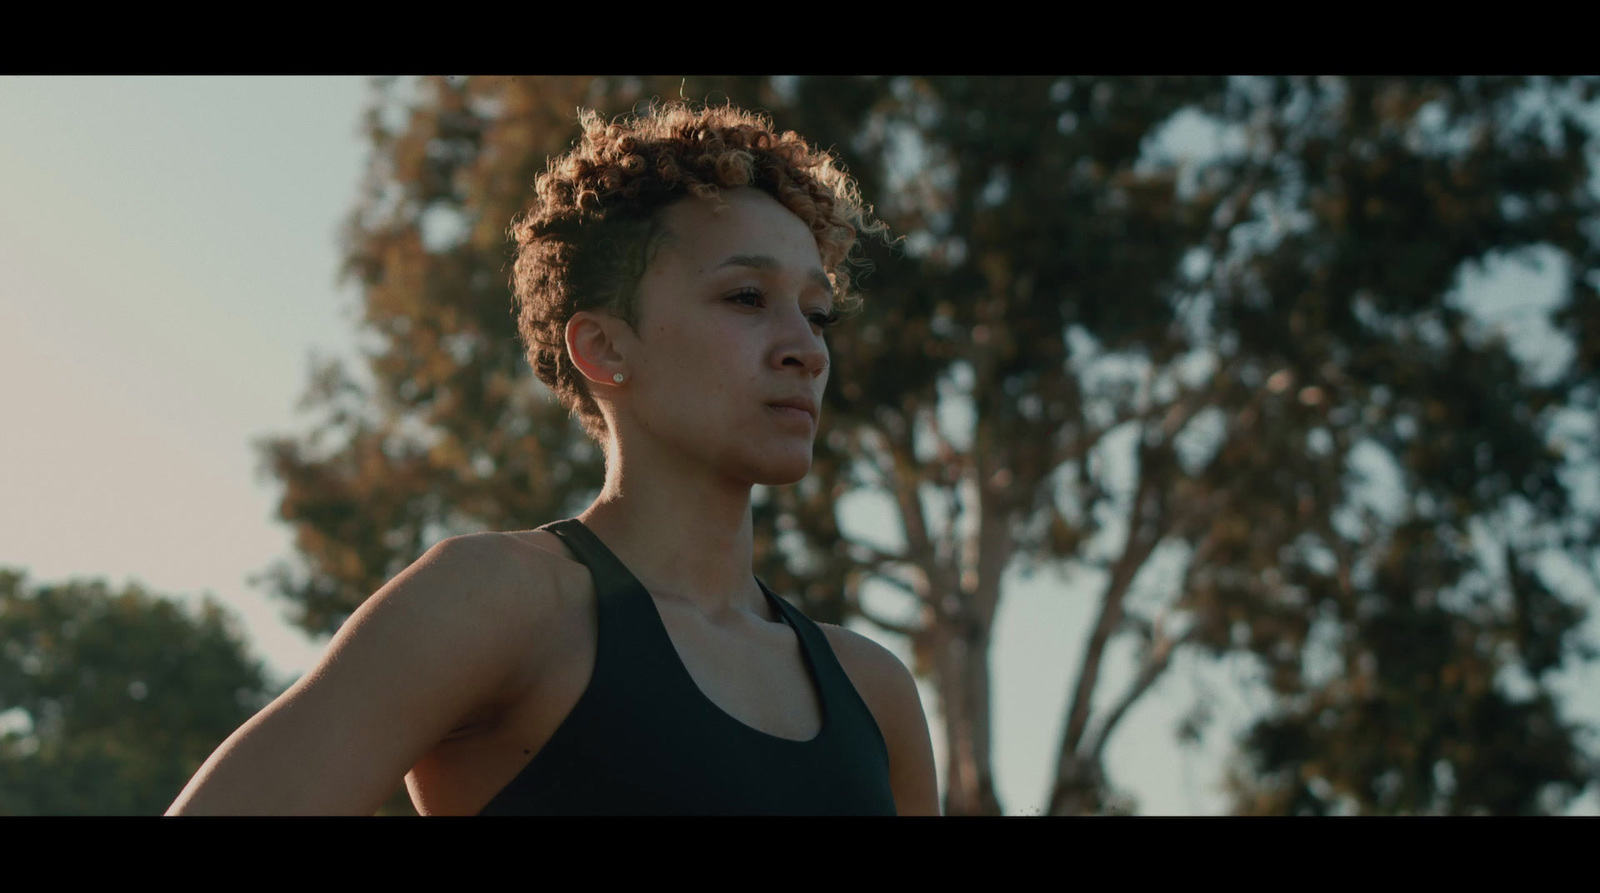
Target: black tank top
{"points": [[644, 740]]}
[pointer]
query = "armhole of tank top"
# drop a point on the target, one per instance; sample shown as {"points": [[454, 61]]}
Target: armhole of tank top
{"points": [[560, 538], [852, 690]]}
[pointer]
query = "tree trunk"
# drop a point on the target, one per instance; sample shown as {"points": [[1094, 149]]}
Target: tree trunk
{"points": [[1079, 789], [962, 676]]}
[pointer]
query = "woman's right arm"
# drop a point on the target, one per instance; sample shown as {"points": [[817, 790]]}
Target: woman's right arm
{"points": [[435, 644]]}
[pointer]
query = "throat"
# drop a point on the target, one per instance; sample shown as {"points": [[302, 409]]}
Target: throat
{"points": [[744, 611]]}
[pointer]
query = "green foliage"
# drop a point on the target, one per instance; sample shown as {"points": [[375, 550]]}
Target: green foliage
{"points": [[1419, 726], [113, 700], [1179, 364]]}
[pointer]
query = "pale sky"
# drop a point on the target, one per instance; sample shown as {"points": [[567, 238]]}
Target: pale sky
{"points": [[168, 256]]}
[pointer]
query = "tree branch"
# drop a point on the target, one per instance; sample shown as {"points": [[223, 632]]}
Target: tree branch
{"points": [[902, 484], [1155, 664], [1067, 452], [877, 556], [951, 460], [885, 479], [941, 580], [1135, 550], [854, 600]]}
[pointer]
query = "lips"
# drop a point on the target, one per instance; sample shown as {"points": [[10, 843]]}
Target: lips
{"points": [[804, 404]]}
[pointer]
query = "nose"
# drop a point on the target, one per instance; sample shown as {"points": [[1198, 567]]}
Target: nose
{"points": [[805, 349]]}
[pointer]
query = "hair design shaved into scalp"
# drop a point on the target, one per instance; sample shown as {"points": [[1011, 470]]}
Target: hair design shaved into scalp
{"points": [[594, 223]]}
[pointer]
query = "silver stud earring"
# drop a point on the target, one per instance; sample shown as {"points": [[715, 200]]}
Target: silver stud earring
{"points": [[617, 378]]}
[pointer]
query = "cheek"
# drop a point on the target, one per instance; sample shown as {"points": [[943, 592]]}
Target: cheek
{"points": [[728, 351], [712, 369]]}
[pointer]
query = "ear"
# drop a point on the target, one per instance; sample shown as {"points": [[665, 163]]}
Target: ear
{"points": [[591, 345]]}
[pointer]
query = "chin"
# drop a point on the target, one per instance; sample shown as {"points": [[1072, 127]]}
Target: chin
{"points": [[782, 470], [784, 480]]}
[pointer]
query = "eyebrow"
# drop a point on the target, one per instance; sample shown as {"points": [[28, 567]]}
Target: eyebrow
{"points": [[768, 262]]}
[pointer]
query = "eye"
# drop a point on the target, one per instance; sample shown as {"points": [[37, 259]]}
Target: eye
{"points": [[753, 296]]}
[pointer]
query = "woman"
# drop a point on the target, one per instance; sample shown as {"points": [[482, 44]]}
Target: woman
{"points": [[675, 276]]}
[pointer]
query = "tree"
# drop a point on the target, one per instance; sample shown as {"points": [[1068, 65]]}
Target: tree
{"points": [[114, 699], [1179, 368]]}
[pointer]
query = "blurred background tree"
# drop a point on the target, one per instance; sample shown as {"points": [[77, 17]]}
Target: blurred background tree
{"points": [[1234, 392], [109, 701]]}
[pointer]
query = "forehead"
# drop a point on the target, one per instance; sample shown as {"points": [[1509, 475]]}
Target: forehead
{"points": [[741, 222]]}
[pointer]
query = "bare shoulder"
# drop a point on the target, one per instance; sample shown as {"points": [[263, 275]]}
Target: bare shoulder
{"points": [[519, 580], [478, 600], [890, 692], [878, 676], [867, 663], [539, 545], [439, 643]]}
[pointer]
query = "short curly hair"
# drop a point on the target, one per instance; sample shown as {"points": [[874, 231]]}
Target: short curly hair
{"points": [[594, 223]]}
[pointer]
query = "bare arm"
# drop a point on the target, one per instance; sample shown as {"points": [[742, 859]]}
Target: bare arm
{"points": [[435, 644], [891, 694], [912, 774]]}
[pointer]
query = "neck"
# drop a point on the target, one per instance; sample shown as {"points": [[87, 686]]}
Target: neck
{"points": [[685, 536]]}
